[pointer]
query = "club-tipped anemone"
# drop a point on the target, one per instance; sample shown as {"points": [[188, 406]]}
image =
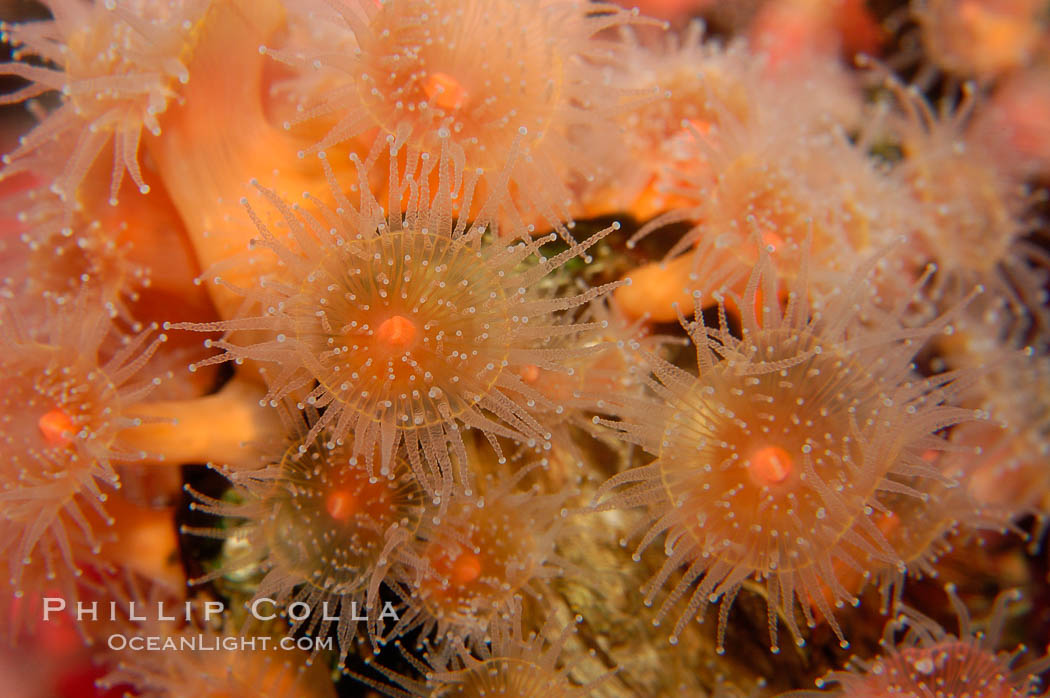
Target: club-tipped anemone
{"points": [[482, 557], [59, 253], [976, 212], [66, 385], [499, 80], [929, 661], [407, 328], [980, 39], [700, 83], [606, 345], [775, 462], [512, 662], [922, 529], [117, 65], [324, 533], [1009, 465], [1013, 123], [782, 183]]}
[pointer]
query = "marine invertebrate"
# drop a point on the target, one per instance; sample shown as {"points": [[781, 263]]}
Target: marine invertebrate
{"points": [[784, 184], [118, 65], [1014, 119], [799, 30], [600, 354], [976, 210], [406, 327], [178, 431], [773, 462], [58, 263], [701, 83], [715, 89], [1009, 466], [483, 557], [467, 523], [218, 140], [324, 533], [143, 542], [423, 73], [513, 662], [134, 254], [921, 529], [980, 39], [66, 386], [930, 661]]}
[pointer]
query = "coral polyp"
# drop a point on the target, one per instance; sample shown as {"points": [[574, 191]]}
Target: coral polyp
{"points": [[974, 209], [980, 39], [66, 254], [922, 529], [406, 329], [423, 71], [928, 660], [118, 66], [514, 663], [324, 532], [771, 463], [485, 318], [483, 557], [67, 386], [702, 83], [753, 176]]}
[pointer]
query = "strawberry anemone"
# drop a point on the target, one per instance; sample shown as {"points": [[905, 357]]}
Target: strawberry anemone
{"points": [[512, 663], [975, 211], [775, 463], [785, 183], [324, 533], [980, 39], [493, 79], [483, 557], [694, 78], [67, 386], [117, 66], [928, 660], [405, 328]]}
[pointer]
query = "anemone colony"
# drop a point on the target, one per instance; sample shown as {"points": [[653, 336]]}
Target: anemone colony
{"points": [[496, 341]]}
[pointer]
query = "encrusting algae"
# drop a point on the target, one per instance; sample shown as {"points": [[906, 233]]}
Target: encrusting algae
{"points": [[511, 332]]}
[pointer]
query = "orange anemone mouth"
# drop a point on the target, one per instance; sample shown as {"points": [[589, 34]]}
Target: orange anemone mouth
{"points": [[341, 505], [444, 91], [770, 465], [57, 428], [397, 333]]}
